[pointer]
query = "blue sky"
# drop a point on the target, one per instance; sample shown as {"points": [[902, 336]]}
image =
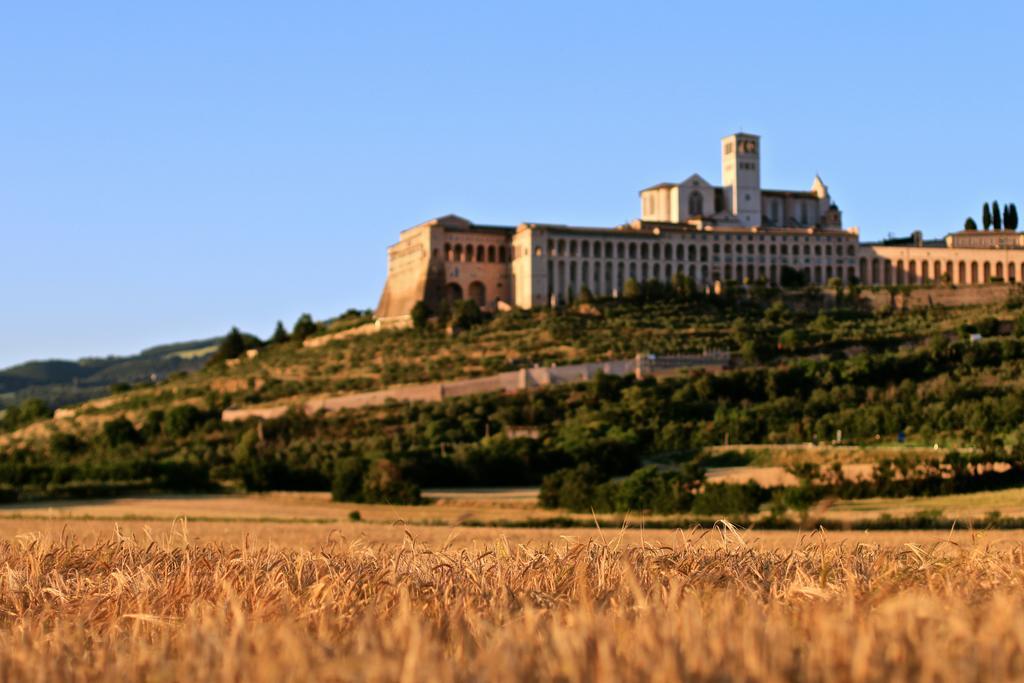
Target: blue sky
{"points": [[168, 170]]}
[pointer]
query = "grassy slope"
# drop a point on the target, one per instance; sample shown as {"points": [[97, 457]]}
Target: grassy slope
{"points": [[517, 340]]}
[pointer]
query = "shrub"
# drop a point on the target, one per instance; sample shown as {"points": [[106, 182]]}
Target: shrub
{"points": [[348, 479], [120, 431], [181, 420], [724, 498], [420, 315]]}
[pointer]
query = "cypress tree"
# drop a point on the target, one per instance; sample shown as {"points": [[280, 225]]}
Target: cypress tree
{"points": [[304, 327], [1011, 224], [997, 218], [1006, 217], [232, 346], [280, 335], [986, 216], [969, 224]]}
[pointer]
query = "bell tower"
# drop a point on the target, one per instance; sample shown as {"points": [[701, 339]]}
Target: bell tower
{"points": [[741, 177]]}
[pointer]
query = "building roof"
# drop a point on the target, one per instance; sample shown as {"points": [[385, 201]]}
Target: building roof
{"points": [[791, 193], [659, 186]]}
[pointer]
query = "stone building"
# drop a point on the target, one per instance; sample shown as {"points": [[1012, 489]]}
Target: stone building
{"points": [[737, 231]]}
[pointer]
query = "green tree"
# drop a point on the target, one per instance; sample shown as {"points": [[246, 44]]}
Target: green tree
{"points": [[997, 218], [1011, 222], [986, 216], [120, 431], [466, 314], [970, 225], [232, 346], [181, 420], [631, 290], [789, 340], [280, 335], [348, 479], [304, 327], [420, 314], [684, 285]]}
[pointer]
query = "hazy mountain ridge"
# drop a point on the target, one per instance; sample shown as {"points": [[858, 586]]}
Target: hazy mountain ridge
{"points": [[61, 382]]}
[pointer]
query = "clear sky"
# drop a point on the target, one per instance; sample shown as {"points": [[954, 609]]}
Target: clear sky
{"points": [[168, 170]]}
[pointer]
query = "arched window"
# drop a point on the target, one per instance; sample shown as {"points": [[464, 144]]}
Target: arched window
{"points": [[458, 257], [480, 253], [447, 252], [696, 203], [491, 251], [501, 254]]}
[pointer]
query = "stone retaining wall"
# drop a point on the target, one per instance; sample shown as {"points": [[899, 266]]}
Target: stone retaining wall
{"points": [[508, 382]]}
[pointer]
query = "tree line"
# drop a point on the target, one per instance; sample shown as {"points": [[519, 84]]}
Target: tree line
{"points": [[994, 219]]}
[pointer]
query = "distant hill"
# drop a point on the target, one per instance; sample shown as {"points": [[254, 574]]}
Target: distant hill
{"points": [[60, 382]]}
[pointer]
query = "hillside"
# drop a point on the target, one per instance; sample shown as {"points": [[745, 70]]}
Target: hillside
{"points": [[808, 368], [62, 382]]}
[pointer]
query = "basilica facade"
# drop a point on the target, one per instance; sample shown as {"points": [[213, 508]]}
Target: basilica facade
{"points": [[736, 231]]}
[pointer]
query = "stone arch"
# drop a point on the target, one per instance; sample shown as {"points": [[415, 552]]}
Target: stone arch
{"points": [[887, 275], [481, 254], [911, 272], [458, 252], [863, 270], [986, 269], [899, 272], [876, 274], [974, 272], [478, 293], [622, 250], [632, 250], [924, 271], [643, 251], [703, 252], [452, 292], [680, 251], [999, 271], [1011, 272], [585, 249], [502, 254], [962, 274], [692, 253]]}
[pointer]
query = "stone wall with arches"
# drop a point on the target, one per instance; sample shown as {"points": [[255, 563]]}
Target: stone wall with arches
{"points": [[552, 264], [905, 265]]}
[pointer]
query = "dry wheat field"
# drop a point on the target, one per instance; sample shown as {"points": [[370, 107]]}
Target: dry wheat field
{"points": [[715, 605]]}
